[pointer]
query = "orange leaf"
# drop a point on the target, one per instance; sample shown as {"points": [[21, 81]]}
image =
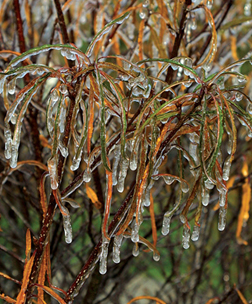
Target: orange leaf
{"points": [[140, 39], [244, 301], [244, 211], [41, 280], [27, 270], [28, 244], [90, 118], [93, 197], [211, 300], [51, 293], [7, 299], [9, 278]]}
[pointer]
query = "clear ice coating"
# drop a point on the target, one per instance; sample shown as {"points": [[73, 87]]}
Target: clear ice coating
{"points": [[222, 218], [249, 107], [8, 142], [195, 233], [186, 237], [116, 248], [52, 168], [166, 223], [122, 174], [103, 256]]}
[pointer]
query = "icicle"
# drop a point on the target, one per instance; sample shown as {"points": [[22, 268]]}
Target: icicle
{"points": [[122, 174], [222, 219], [103, 256], [13, 119], [87, 176], [14, 154], [12, 86], [222, 197], [166, 223], [186, 237], [135, 250], [116, 248], [229, 144], [117, 155], [205, 196], [52, 167], [62, 120], [134, 233], [226, 169], [8, 142], [67, 225], [193, 151], [195, 233], [134, 158]]}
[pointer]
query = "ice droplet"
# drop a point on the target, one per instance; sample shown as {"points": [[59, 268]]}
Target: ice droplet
{"points": [[209, 185], [143, 13], [116, 248], [186, 237], [168, 179], [195, 233], [135, 250], [222, 219], [184, 187], [241, 78], [146, 3], [249, 108], [238, 96], [87, 176], [156, 256], [75, 164], [52, 167]]}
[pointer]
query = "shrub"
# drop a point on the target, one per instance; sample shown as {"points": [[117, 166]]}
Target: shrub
{"points": [[137, 126]]}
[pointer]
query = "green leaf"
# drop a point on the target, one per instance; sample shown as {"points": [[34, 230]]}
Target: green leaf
{"points": [[105, 30], [103, 123]]}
